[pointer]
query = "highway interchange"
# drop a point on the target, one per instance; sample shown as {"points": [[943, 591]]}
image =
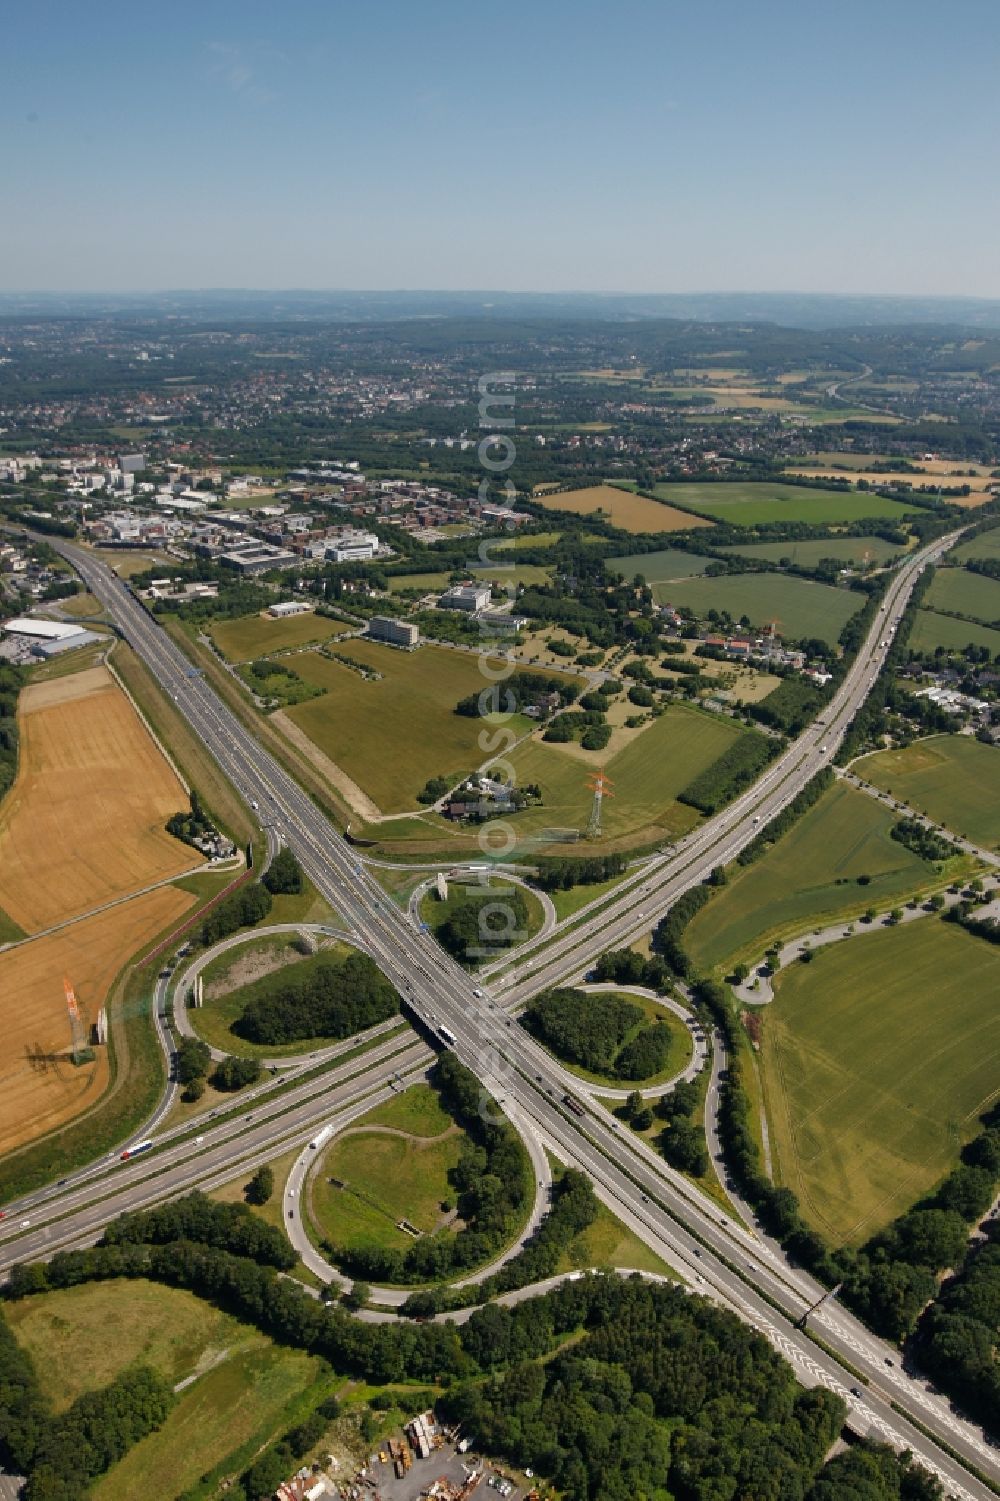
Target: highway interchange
{"points": [[711, 1250]]}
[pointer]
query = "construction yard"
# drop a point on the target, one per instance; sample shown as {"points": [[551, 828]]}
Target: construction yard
{"points": [[83, 824]]}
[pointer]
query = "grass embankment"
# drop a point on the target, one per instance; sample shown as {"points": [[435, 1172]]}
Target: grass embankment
{"points": [[877, 1058], [814, 876], [953, 779]]}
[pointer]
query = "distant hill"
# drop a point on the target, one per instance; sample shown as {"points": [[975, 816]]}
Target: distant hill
{"points": [[806, 310]]}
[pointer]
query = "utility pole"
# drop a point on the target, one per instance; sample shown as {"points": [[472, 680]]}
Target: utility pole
{"points": [[819, 1304]]}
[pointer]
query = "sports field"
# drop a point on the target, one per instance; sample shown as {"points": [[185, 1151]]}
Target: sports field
{"points": [[800, 607], [986, 545], [957, 590], [647, 775], [83, 823], [393, 1165], [755, 502], [931, 630], [633, 513], [656, 567], [39, 1085], [808, 880], [877, 1059], [258, 635], [952, 778], [806, 554], [391, 736]]}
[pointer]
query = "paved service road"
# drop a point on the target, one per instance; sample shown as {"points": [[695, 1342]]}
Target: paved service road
{"points": [[743, 1272]]}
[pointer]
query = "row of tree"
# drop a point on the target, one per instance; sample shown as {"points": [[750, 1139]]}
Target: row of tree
{"points": [[736, 769], [561, 874]]}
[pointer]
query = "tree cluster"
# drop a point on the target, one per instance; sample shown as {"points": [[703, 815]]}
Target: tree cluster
{"points": [[243, 908], [922, 840], [514, 694], [329, 997], [284, 876], [483, 924], [561, 874], [599, 1032]]}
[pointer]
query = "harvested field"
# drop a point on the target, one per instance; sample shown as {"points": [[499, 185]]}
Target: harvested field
{"points": [[84, 822], [40, 1087], [633, 513]]}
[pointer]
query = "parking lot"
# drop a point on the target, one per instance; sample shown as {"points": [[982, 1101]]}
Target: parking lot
{"points": [[445, 1474]]}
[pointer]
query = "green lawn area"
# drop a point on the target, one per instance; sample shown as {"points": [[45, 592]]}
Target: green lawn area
{"points": [[958, 590], [658, 567], [536, 539], [126, 564], [426, 582], [878, 1057], [387, 1177], [250, 636], [800, 606], [647, 774], [808, 553], [213, 1021], [755, 502], [986, 545], [240, 1405], [84, 606], [67, 1334], [514, 574], [808, 880], [391, 736], [607, 1243], [952, 778], [931, 630]]}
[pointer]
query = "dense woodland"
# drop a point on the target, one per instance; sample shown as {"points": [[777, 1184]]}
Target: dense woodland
{"points": [[600, 1032], [330, 996]]}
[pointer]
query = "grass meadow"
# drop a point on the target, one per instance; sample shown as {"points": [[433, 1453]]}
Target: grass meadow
{"points": [[755, 502], [808, 880], [952, 778], [249, 636], [660, 567], [931, 630], [955, 589], [878, 1058], [807, 553], [800, 606], [647, 775], [391, 736]]}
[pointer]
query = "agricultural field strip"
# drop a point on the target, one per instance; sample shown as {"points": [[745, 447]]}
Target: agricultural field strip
{"points": [[118, 901], [303, 820]]}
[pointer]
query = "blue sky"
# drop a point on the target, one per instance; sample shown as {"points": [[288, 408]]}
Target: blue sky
{"points": [[655, 146]]}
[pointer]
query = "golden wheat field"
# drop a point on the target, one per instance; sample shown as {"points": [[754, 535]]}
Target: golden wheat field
{"points": [[84, 822], [40, 1087], [633, 513]]}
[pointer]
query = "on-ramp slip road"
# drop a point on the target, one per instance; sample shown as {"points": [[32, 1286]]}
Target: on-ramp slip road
{"points": [[744, 1274]]}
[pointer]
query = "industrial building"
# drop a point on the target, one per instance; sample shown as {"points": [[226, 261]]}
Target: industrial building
{"points": [[395, 632], [47, 638]]}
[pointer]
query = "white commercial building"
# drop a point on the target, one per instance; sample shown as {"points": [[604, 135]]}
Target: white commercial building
{"points": [[352, 547]]}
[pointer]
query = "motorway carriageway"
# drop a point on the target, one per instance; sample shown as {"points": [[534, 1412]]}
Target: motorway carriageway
{"points": [[484, 1041]]}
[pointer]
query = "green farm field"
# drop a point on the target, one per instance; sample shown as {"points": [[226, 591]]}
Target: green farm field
{"points": [[986, 545], [808, 880], [877, 1058], [258, 635], [800, 606], [931, 630], [394, 1164], [647, 774], [952, 778], [964, 593], [658, 567], [623, 508], [755, 502], [391, 736], [808, 553]]}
